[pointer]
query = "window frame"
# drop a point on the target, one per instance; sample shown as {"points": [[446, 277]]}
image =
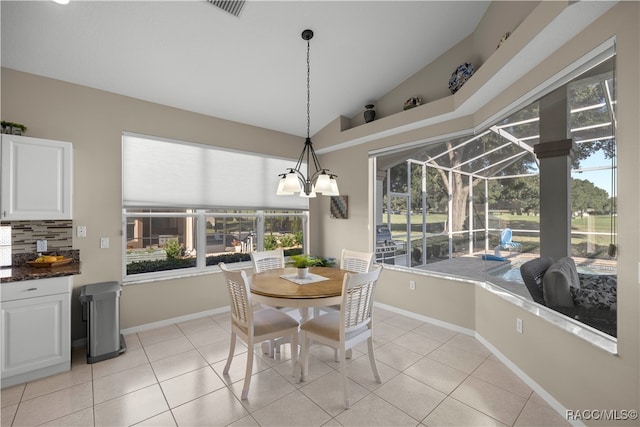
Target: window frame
{"points": [[200, 216]]}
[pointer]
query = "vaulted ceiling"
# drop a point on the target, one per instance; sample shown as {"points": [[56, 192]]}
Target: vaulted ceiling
{"points": [[251, 68]]}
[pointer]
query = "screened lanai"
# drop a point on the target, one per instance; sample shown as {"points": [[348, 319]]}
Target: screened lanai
{"points": [[452, 197]]}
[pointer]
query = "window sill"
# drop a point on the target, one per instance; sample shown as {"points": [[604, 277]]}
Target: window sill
{"points": [[162, 276], [592, 336]]}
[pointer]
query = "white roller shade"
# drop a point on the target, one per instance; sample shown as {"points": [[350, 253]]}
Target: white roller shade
{"points": [[163, 173]]}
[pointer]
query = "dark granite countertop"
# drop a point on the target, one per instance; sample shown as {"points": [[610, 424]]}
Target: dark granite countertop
{"points": [[16, 274], [20, 270]]}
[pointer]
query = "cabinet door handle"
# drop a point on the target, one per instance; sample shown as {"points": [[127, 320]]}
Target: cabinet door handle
{"points": [[32, 289]]}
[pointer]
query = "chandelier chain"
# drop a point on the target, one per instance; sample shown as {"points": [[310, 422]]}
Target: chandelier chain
{"points": [[308, 91], [294, 180]]}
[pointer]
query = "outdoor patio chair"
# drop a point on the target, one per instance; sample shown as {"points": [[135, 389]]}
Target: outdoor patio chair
{"points": [[506, 242], [254, 327], [593, 302], [346, 328]]}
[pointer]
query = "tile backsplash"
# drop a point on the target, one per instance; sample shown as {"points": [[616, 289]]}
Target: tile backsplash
{"points": [[57, 233]]}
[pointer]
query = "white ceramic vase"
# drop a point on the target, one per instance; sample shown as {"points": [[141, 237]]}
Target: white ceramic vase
{"points": [[303, 273]]}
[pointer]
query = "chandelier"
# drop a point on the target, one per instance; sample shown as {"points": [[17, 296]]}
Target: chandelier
{"points": [[294, 181]]}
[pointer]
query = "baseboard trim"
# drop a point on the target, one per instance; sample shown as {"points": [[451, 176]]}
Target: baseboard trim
{"points": [[179, 319]]}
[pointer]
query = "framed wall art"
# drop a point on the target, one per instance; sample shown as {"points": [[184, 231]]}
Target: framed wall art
{"points": [[338, 207]]}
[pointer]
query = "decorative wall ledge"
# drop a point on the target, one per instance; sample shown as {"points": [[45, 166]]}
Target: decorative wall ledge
{"points": [[549, 27]]}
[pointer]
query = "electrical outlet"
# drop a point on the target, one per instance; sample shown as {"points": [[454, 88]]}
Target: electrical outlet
{"points": [[518, 325], [412, 285], [104, 243], [41, 246], [81, 231]]}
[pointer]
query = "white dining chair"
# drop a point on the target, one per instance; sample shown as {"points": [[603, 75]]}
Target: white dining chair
{"points": [[265, 261], [254, 327], [344, 329], [357, 262]]}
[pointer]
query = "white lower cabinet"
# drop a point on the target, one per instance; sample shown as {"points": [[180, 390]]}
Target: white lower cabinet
{"points": [[36, 329]]}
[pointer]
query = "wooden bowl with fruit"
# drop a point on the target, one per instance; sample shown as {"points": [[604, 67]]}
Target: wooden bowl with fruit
{"points": [[46, 261]]}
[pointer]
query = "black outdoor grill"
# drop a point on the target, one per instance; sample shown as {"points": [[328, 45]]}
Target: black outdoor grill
{"points": [[385, 246]]}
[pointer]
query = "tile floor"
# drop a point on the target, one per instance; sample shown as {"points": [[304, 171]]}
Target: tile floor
{"points": [[172, 376]]}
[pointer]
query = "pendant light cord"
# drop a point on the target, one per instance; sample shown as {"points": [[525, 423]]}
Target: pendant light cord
{"points": [[308, 90]]}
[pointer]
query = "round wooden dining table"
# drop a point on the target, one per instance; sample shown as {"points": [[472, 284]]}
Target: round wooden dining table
{"points": [[270, 288]]}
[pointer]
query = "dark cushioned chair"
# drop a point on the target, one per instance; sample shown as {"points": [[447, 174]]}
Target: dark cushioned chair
{"points": [[603, 319]]}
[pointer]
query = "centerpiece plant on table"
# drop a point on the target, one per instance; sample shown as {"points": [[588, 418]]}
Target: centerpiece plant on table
{"points": [[302, 262]]}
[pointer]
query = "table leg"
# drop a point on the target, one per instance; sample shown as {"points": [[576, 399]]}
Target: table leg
{"points": [[304, 314], [267, 349]]}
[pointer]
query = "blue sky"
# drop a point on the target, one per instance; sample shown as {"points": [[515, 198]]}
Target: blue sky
{"points": [[600, 178]]}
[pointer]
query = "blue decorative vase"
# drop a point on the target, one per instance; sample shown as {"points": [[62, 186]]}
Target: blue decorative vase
{"points": [[460, 76]]}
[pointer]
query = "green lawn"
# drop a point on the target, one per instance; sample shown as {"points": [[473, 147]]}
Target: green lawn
{"points": [[594, 223], [583, 245]]}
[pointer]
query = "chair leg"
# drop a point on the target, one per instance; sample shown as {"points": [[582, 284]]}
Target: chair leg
{"points": [[267, 348], [304, 357], [336, 358], [345, 380], [232, 348], [247, 373], [372, 360], [294, 352]]}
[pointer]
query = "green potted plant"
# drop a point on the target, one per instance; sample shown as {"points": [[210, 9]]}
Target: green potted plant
{"points": [[13, 128], [302, 262]]}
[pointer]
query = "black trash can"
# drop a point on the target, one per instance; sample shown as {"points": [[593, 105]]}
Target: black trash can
{"points": [[101, 311]]}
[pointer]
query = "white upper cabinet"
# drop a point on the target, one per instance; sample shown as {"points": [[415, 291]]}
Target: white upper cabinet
{"points": [[37, 178]]}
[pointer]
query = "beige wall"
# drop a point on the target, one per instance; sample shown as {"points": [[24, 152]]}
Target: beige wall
{"points": [[432, 82], [573, 371], [93, 121], [577, 374]]}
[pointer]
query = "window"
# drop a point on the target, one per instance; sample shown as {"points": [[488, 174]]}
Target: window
{"points": [[183, 215], [450, 203], [452, 198], [164, 242]]}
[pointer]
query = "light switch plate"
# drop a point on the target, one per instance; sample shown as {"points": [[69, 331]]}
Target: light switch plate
{"points": [[104, 243], [81, 231], [41, 246]]}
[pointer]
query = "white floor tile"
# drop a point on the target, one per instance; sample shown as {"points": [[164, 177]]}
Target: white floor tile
{"points": [[190, 386], [326, 392], [374, 411], [83, 418], [131, 408], [437, 375], [411, 396], [218, 408], [172, 376], [489, 399], [294, 409], [179, 364], [79, 375], [452, 413], [121, 383], [456, 358], [54, 405]]}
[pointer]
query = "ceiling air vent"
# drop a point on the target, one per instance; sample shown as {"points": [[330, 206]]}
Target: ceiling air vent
{"points": [[233, 7]]}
